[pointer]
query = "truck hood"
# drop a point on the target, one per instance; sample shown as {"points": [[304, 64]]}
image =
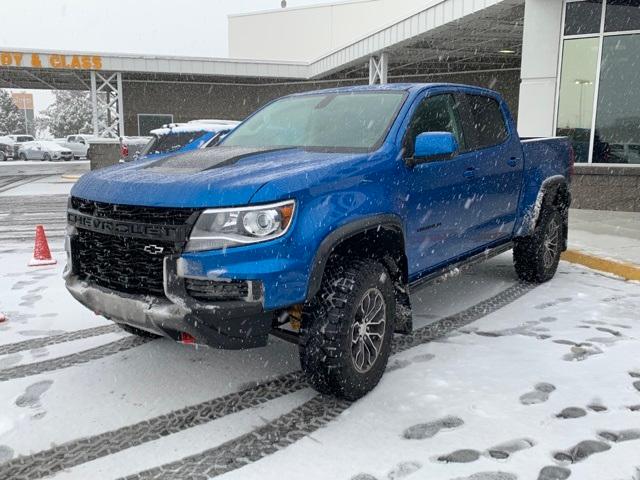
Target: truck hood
{"points": [[212, 177]]}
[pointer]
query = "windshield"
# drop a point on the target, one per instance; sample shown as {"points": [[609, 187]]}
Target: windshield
{"points": [[350, 120], [170, 143]]}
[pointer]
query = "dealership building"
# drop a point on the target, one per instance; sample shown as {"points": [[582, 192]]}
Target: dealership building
{"points": [[567, 67]]}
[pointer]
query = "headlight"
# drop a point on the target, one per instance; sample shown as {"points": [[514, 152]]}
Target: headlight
{"points": [[229, 227]]}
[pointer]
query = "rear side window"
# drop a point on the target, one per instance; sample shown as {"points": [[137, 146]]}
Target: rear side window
{"points": [[438, 113], [484, 122]]}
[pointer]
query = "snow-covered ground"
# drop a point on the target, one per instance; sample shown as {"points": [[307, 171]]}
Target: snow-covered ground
{"points": [[80, 399]]}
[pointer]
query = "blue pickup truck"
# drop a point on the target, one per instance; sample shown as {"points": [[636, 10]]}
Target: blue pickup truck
{"points": [[314, 219]]}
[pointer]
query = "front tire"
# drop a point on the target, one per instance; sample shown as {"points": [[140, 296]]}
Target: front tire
{"points": [[347, 329], [536, 257], [22, 157]]}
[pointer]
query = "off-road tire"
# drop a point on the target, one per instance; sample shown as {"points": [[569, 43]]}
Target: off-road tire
{"points": [[137, 331], [529, 252], [329, 321]]}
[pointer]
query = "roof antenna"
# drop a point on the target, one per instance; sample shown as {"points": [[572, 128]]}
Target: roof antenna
{"points": [[283, 3]]}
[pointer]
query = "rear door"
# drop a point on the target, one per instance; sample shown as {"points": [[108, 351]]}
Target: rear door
{"points": [[437, 191], [496, 169]]}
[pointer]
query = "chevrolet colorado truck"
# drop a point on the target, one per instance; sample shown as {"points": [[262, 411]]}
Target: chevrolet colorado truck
{"points": [[314, 219]]}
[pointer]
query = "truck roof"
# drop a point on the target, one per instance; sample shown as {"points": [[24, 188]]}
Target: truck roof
{"points": [[409, 87]]}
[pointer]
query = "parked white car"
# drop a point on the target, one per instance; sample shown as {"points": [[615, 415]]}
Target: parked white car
{"points": [[78, 144], [44, 150]]}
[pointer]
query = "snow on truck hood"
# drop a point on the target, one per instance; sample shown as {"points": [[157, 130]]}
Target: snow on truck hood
{"points": [[212, 177]]}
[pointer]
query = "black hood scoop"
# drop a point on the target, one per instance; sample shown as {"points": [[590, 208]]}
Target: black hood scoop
{"points": [[204, 159]]}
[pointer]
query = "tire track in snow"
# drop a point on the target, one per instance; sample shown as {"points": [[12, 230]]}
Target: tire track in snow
{"points": [[315, 413], [111, 348], [56, 339], [86, 449], [252, 446]]}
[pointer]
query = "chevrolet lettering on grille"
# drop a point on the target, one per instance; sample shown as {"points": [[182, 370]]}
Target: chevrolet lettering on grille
{"points": [[167, 233]]}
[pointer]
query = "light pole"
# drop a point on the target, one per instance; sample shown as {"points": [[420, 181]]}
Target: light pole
{"points": [[24, 110]]}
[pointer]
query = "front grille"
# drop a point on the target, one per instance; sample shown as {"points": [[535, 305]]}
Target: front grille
{"points": [[120, 262], [133, 213], [221, 291]]}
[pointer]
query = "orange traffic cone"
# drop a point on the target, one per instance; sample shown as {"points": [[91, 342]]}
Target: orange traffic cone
{"points": [[41, 252]]}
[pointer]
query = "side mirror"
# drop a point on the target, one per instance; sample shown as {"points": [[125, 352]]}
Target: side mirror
{"points": [[431, 146]]}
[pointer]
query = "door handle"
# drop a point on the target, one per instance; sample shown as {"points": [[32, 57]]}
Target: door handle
{"points": [[513, 161], [469, 172]]}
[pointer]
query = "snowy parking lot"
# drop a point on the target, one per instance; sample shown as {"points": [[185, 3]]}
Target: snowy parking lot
{"points": [[500, 381]]}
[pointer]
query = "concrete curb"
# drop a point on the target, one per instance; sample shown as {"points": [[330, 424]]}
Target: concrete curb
{"points": [[628, 271]]}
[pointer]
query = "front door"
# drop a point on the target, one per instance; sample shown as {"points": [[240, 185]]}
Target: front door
{"points": [[437, 217]]}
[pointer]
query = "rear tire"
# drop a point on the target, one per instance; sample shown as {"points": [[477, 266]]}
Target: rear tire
{"points": [[137, 331], [3, 157], [347, 329], [536, 257], [22, 157]]}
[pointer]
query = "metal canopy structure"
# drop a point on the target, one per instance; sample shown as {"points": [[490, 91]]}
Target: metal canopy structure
{"points": [[450, 36]]}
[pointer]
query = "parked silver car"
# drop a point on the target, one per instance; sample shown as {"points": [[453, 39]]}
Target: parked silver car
{"points": [[18, 140], [44, 150]]}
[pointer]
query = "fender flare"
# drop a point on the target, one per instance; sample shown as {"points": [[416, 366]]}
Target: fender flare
{"points": [[546, 194], [339, 235]]}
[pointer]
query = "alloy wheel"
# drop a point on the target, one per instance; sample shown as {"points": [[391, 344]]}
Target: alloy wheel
{"points": [[368, 329], [551, 243]]}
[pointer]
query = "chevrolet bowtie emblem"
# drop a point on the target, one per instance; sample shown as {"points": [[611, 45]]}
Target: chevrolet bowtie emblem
{"points": [[153, 249]]}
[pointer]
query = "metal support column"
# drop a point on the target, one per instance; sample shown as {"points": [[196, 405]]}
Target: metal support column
{"points": [[94, 103], [107, 103], [378, 68]]}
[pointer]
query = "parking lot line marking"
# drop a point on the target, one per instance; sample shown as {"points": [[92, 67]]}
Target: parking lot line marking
{"points": [[627, 271], [55, 339]]}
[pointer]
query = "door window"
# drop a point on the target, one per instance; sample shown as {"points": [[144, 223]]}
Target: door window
{"points": [[438, 113], [484, 124]]}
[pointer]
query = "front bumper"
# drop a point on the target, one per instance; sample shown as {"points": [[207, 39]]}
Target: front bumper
{"points": [[228, 324]]}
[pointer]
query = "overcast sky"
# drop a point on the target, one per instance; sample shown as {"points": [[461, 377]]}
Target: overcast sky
{"points": [[165, 27]]}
